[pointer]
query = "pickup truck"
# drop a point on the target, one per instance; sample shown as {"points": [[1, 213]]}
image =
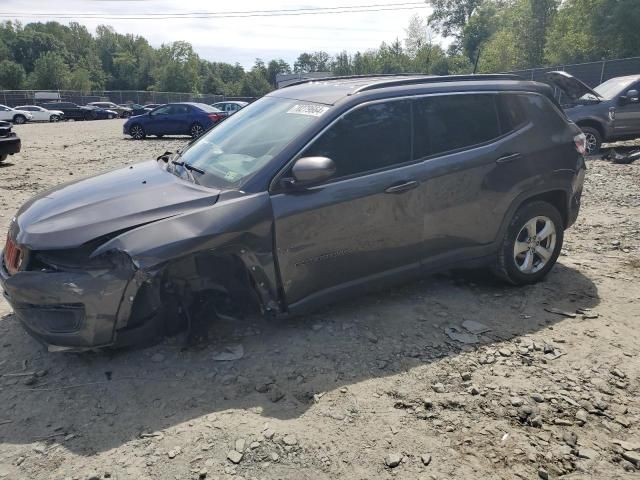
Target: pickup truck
{"points": [[609, 112], [9, 141]]}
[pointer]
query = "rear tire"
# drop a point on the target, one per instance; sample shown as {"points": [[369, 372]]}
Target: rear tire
{"points": [[594, 140], [196, 130], [3, 157], [531, 244], [137, 132], [19, 119], [126, 114]]}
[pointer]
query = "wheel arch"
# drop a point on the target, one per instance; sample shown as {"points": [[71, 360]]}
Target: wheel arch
{"points": [[556, 196], [591, 123]]}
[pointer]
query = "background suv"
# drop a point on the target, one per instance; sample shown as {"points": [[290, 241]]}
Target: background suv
{"points": [[608, 113], [315, 192]]}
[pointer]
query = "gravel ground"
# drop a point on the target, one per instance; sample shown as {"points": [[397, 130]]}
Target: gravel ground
{"points": [[377, 387]]}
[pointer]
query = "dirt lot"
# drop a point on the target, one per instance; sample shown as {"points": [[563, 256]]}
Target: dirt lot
{"points": [[356, 387]]}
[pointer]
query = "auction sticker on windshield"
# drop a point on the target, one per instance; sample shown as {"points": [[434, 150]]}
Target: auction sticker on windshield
{"points": [[311, 110]]}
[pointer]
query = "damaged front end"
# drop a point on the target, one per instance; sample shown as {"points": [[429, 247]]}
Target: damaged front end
{"points": [[67, 299]]}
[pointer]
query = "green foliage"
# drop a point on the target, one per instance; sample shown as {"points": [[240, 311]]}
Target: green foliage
{"points": [[502, 34], [49, 72], [80, 80], [12, 75]]}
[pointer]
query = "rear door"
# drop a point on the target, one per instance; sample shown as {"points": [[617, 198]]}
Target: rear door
{"points": [[182, 116], [470, 167], [364, 223]]}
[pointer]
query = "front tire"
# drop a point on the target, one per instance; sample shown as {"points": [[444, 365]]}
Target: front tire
{"points": [[126, 114], [54, 118], [594, 140], [531, 244], [3, 157], [19, 119], [137, 132]]}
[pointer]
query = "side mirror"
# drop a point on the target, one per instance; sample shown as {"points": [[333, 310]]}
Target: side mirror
{"points": [[311, 170], [632, 96]]}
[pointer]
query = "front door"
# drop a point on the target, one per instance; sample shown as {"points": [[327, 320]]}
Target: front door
{"points": [[364, 223], [159, 121], [627, 122]]}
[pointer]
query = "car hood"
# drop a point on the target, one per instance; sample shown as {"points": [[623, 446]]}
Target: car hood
{"points": [[74, 213], [570, 85]]}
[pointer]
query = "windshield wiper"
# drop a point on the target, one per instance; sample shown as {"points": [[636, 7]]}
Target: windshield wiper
{"points": [[190, 168], [165, 156]]}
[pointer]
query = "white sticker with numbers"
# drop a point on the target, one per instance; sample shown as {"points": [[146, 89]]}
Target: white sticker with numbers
{"points": [[311, 110]]}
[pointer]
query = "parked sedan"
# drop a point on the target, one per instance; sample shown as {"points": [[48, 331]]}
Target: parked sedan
{"points": [[122, 111], [102, 113], [72, 111], [231, 107], [174, 119], [41, 114], [18, 117], [136, 109]]}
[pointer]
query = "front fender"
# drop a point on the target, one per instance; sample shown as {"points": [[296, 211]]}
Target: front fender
{"points": [[241, 226]]}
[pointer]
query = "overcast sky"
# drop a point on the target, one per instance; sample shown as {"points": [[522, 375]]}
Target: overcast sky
{"points": [[236, 39]]}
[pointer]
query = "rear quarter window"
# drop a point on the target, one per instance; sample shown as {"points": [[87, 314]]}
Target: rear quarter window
{"points": [[541, 111]]}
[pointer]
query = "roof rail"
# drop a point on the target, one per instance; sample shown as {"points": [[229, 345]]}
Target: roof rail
{"points": [[353, 77], [437, 79]]}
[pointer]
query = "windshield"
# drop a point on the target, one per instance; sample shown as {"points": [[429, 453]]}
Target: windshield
{"points": [[238, 147], [612, 87]]}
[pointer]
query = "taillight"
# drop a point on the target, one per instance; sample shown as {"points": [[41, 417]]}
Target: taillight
{"points": [[216, 117], [12, 256], [581, 143]]}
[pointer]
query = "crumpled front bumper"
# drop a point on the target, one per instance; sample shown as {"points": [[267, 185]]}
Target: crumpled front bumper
{"points": [[70, 310]]}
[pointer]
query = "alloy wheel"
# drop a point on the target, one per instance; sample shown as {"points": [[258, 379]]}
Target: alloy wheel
{"points": [[137, 132], [535, 244], [591, 143], [19, 120], [196, 130]]}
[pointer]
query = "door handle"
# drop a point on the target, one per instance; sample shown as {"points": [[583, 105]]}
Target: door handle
{"points": [[510, 157], [402, 187]]}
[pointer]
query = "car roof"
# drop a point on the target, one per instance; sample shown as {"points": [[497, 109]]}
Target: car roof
{"points": [[333, 89], [235, 102]]}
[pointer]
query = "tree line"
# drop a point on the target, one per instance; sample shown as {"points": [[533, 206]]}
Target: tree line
{"points": [[487, 35]]}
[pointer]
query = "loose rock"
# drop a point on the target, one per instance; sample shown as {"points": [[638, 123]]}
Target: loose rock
{"points": [[393, 460]]}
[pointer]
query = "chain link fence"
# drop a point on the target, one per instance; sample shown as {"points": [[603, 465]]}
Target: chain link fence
{"points": [[13, 98]]}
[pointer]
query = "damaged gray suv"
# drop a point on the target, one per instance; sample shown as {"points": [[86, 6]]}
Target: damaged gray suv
{"points": [[313, 193]]}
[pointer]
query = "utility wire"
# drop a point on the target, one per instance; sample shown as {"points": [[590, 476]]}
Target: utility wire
{"points": [[237, 14]]}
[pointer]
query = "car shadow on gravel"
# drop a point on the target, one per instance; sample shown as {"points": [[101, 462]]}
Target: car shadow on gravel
{"points": [[98, 401]]}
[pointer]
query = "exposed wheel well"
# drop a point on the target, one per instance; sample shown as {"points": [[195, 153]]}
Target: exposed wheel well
{"points": [[592, 124], [557, 198], [206, 285]]}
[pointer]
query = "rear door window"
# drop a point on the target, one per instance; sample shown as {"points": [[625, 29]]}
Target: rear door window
{"points": [[446, 123], [369, 138]]}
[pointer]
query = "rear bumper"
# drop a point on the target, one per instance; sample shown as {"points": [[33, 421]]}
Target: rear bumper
{"points": [[575, 199], [10, 144]]}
